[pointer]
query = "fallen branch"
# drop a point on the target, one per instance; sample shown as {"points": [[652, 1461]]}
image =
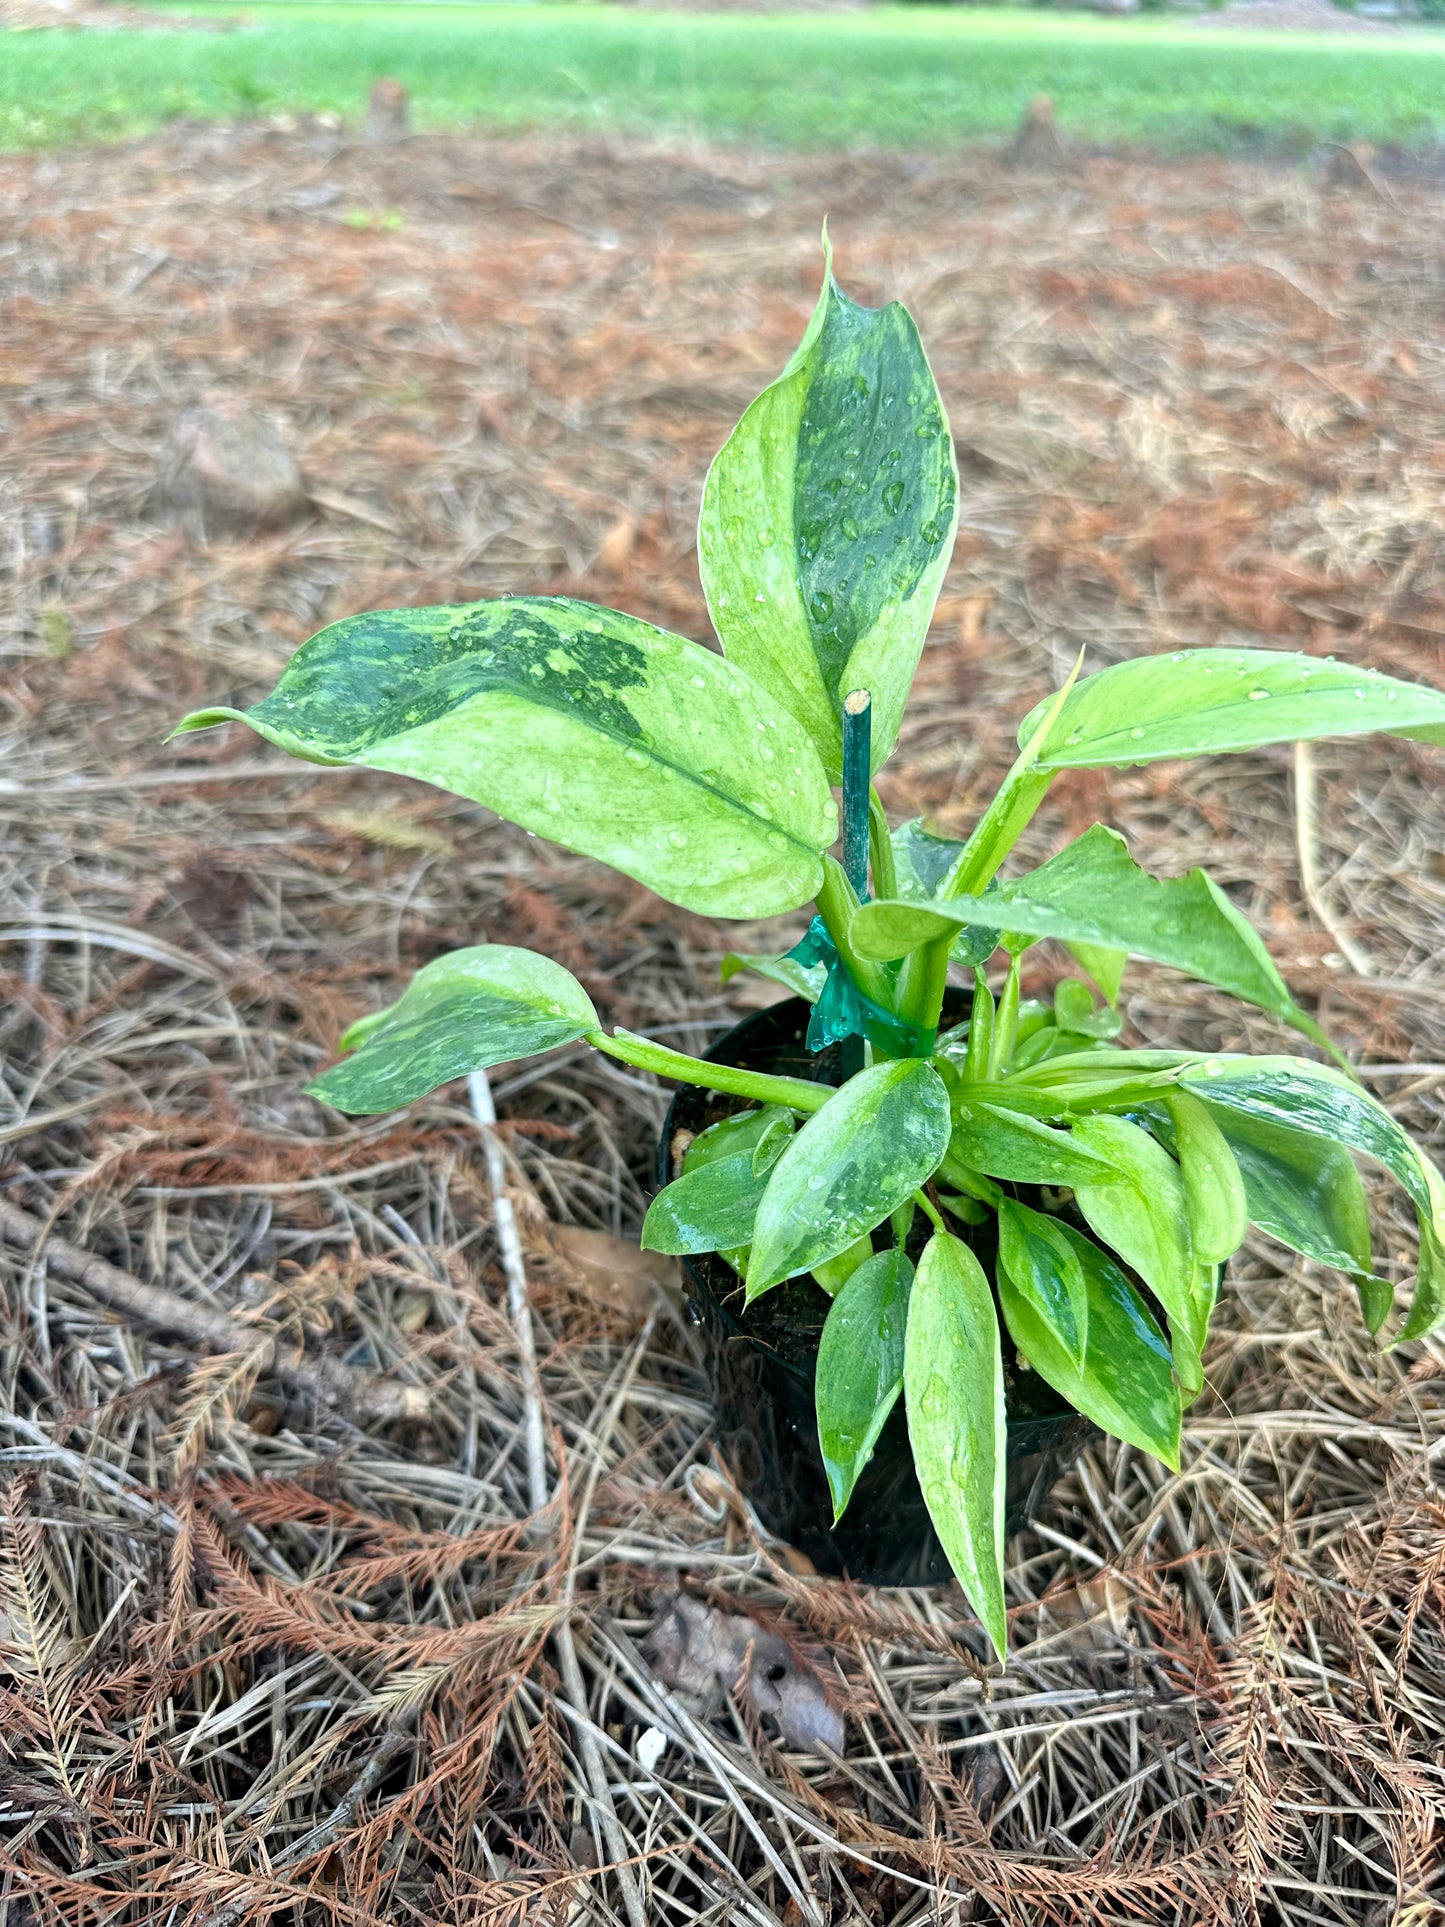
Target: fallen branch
{"points": [[359, 1393]]}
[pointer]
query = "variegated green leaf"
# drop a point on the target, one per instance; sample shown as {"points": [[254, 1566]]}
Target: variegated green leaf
{"points": [[852, 1164], [1093, 893], [953, 1388], [828, 520], [860, 1367], [460, 1013], [583, 725], [1206, 702]]}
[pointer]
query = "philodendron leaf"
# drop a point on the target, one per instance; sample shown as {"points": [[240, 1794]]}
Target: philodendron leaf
{"points": [[461, 1012], [1303, 1096], [828, 520], [1043, 1268], [1126, 1381], [583, 725], [1024, 1150], [709, 1209], [1214, 1192], [1093, 893], [852, 1164], [860, 1368], [1145, 1220], [1303, 1190], [953, 1386], [1205, 702], [804, 980]]}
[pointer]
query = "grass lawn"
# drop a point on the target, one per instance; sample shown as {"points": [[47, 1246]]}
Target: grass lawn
{"points": [[897, 77]]}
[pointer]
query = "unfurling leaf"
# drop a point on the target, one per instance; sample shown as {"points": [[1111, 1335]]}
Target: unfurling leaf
{"points": [[460, 1013], [1126, 1381], [804, 980], [860, 1368], [1043, 1268], [953, 1386], [852, 1164], [583, 725], [1208, 702], [828, 520]]}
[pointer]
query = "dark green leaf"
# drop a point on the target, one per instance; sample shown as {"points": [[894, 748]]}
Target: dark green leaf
{"points": [[852, 1164], [586, 726], [1044, 1269], [461, 1012], [953, 1385], [1301, 1189], [1126, 1382], [1203, 702], [709, 1209], [1093, 892], [860, 1368], [1298, 1095], [828, 520], [921, 860], [1008, 1144]]}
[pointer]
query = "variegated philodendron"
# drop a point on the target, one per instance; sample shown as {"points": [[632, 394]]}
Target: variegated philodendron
{"points": [[1113, 1184]]}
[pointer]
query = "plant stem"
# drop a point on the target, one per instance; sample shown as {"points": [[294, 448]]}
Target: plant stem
{"points": [[926, 1205], [922, 981], [794, 1092], [1006, 1022]]}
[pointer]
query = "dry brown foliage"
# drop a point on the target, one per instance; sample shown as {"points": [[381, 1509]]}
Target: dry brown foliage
{"points": [[263, 1661]]}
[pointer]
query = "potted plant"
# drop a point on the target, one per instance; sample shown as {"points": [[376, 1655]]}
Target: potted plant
{"points": [[986, 1183]]}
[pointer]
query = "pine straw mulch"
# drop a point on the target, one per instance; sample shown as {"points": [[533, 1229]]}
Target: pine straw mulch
{"points": [[273, 1655]]}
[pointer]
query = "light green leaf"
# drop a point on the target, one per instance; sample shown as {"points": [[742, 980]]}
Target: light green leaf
{"points": [[828, 520], [460, 1013], [1214, 1194], [1008, 1144], [731, 1136], [1299, 1095], [852, 1164], [1044, 1269], [1205, 702], [953, 1387], [1126, 1383], [860, 1368], [1094, 893], [709, 1209], [1104, 965], [583, 725], [804, 980], [1144, 1219]]}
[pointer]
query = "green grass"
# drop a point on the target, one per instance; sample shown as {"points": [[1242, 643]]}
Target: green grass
{"points": [[904, 77]]}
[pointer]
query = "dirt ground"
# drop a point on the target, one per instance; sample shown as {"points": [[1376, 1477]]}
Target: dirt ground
{"points": [[281, 1643]]}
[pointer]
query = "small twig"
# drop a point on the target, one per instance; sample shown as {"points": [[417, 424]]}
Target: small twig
{"points": [[359, 1393], [518, 1304], [1306, 827]]}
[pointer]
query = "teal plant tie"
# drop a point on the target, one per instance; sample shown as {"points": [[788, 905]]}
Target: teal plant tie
{"points": [[843, 1011]]}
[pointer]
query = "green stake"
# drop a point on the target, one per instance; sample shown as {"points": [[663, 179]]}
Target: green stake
{"points": [[857, 776], [857, 757]]}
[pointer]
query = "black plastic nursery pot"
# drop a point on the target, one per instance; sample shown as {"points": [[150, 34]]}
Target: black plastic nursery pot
{"points": [[763, 1362]]}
